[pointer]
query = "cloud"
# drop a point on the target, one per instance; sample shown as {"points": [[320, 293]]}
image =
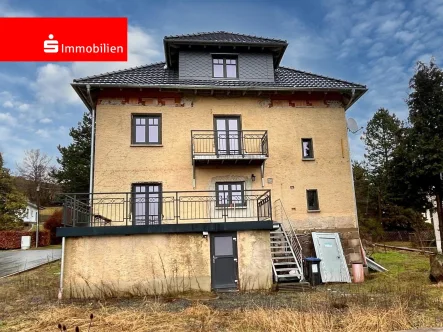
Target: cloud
{"points": [[142, 49], [52, 84], [45, 120], [7, 119], [8, 104], [43, 133], [7, 11]]}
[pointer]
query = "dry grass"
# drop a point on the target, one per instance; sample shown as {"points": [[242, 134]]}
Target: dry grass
{"points": [[199, 317], [401, 299]]}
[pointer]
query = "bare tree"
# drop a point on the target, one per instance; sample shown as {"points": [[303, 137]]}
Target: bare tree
{"points": [[35, 169]]}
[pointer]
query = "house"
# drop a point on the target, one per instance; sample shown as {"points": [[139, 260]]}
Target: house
{"points": [[205, 166], [31, 213]]}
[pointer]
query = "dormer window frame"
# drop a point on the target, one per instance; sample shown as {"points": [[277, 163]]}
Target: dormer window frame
{"points": [[224, 57]]}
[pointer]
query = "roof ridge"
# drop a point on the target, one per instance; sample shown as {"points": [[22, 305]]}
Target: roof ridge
{"points": [[222, 31], [323, 76], [118, 71]]}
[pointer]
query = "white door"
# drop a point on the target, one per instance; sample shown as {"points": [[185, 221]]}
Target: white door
{"points": [[333, 266]]}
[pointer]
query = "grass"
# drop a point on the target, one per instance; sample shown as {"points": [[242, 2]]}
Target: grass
{"points": [[52, 246], [402, 298]]}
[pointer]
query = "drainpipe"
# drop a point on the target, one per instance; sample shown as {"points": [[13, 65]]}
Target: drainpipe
{"points": [[62, 265], [91, 174], [350, 100], [352, 177]]}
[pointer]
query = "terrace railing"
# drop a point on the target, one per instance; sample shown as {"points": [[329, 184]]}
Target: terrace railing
{"points": [[168, 207]]}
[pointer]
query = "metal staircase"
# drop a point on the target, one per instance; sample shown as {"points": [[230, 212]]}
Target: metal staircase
{"points": [[286, 251]]}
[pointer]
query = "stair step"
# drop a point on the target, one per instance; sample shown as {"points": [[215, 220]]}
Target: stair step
{"points": [[277, 232], [280, 247], [286, 269], [295, 275], [285, 263], [284, 257], [288, 252]]}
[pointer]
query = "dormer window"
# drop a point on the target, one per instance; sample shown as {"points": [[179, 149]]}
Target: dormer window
{"points": [[224, 67]]}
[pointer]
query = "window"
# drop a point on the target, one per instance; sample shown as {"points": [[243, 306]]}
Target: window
{"points": [[307, 148], [230, 194], [312, 198], [224, 67], [146, 129], [147, 203]]}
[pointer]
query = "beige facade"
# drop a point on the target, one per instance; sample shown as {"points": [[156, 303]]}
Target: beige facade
{"points": [[153, 264], [118, 164], [185, 228]]}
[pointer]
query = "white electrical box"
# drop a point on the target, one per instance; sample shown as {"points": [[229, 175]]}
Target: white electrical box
{"points": [[26, 242]]}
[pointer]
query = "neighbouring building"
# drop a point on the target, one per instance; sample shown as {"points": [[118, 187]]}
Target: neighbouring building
{"points": [[205, 166], [31, 214]]}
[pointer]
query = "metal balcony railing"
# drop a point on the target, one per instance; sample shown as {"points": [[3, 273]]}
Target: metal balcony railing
{"points": [[167, 207], [232, 143]]}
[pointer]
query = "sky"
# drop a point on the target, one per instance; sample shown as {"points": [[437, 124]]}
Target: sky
{"points": [[375, 43]]}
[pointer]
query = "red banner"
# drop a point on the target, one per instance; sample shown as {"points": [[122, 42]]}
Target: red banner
{"points": [[64, 39]]}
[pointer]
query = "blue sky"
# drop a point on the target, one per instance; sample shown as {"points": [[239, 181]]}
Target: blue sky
{"points": [[375, 43]]}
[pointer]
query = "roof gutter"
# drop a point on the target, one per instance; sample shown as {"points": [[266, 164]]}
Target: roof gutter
{"points": [[210, 87]]}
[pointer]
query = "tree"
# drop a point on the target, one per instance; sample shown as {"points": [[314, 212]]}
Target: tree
{"points": [[54, 221], [34, 172], [381, 142], [75, 160], [12, 202], [425, 103]]}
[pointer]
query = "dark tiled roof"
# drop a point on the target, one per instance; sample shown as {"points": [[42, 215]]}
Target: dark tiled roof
{"points": [[157, 75], [224, 37]]}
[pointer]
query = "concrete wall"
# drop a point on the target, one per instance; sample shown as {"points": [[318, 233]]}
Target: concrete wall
{"points": [[252, 66], [157, 264], [118, 164]]}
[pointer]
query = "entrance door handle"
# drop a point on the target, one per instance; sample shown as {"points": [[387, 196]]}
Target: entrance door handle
{"points": [[235, 260], [213, 259]]}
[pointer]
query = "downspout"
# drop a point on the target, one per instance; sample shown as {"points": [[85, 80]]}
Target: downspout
{"points": [[350, 163], [91, 173], [351, 100], [62, 265]]}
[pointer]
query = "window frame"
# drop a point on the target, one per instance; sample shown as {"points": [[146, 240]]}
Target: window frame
{"points": [[229, 191], [316, 206], [311, 148], [147, 117], [225, 57]]}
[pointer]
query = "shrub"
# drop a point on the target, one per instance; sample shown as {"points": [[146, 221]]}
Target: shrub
{"points": [[13, 239], [371, 229], [54, 221]]}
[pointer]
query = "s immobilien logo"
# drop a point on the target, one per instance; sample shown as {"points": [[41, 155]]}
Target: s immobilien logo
{"points": [[64, 39]]}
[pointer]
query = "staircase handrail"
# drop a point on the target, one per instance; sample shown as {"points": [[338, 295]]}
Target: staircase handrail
{"points": [[285, 220]]}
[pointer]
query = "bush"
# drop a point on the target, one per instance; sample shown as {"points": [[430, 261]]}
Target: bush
{"points": [[54, 221], [371, 229], [13, 239]]}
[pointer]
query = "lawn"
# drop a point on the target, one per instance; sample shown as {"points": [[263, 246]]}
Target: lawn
{"points": [[402, 298]]}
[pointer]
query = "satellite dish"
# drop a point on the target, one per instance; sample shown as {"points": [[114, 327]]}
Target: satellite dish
{"points": [[352, 125]]}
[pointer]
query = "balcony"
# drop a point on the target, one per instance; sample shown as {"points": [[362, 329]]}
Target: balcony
{"points": [[229, 147], [151, 210]]}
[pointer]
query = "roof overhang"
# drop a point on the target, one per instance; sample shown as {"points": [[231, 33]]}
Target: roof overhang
{"points": [[90, 98]]}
